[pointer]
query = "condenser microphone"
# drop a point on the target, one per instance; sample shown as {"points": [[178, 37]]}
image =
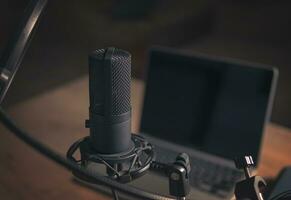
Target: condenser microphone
{"points": [[110, 109], [125, 156]]}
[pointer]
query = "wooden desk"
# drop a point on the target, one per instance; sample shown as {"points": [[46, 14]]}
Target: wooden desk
{"points": [[57, 118]]}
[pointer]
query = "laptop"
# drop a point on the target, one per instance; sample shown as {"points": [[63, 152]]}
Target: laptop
{"points": [[211, 108]]}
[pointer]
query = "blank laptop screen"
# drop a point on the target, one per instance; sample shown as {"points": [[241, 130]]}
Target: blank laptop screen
{"points": [[214, 106]]}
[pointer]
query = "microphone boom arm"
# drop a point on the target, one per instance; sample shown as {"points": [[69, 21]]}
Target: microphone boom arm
{"points": [[17, 46]]}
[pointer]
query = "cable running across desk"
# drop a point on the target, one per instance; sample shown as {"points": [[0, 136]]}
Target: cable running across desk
{"points": [[46, 151]]}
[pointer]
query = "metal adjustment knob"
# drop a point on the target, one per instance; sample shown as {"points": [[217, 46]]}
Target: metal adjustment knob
{"points": [[245, 163], [179, 173], [184, 160], [250, 188]]}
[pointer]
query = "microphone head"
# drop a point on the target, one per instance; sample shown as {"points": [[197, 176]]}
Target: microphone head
{"points": [[121, 77], [110, 110], [110, 71]]}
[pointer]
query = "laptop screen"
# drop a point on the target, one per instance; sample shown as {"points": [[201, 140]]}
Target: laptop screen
{"points": [[215, 106]]}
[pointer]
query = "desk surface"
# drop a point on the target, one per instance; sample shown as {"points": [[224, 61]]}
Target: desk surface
{"points": [[57, 118]]}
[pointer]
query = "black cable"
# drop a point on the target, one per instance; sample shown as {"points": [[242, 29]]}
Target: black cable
{"points": [[284, 194], [115, 195], [46, 151]]}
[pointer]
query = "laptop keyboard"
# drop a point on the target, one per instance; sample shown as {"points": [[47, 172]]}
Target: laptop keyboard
{"points": [[205, 175]]}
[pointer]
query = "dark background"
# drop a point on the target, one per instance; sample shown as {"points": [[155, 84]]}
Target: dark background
{"points": [[252, 30]]}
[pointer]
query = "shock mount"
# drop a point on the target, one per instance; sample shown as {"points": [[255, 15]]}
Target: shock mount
{"points": [[134, 164]]}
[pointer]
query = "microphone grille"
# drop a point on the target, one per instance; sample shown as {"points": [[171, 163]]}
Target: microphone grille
{"points": [[121, 81]]}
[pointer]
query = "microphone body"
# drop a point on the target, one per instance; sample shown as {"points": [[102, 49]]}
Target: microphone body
{"points": [[110, 110]]}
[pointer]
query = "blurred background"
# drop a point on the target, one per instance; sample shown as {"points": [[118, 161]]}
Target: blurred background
{"points": [[252, 30]]}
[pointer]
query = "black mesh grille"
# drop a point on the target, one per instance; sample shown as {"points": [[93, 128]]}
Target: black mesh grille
{"points": [[97, 80], [121, 78]]}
